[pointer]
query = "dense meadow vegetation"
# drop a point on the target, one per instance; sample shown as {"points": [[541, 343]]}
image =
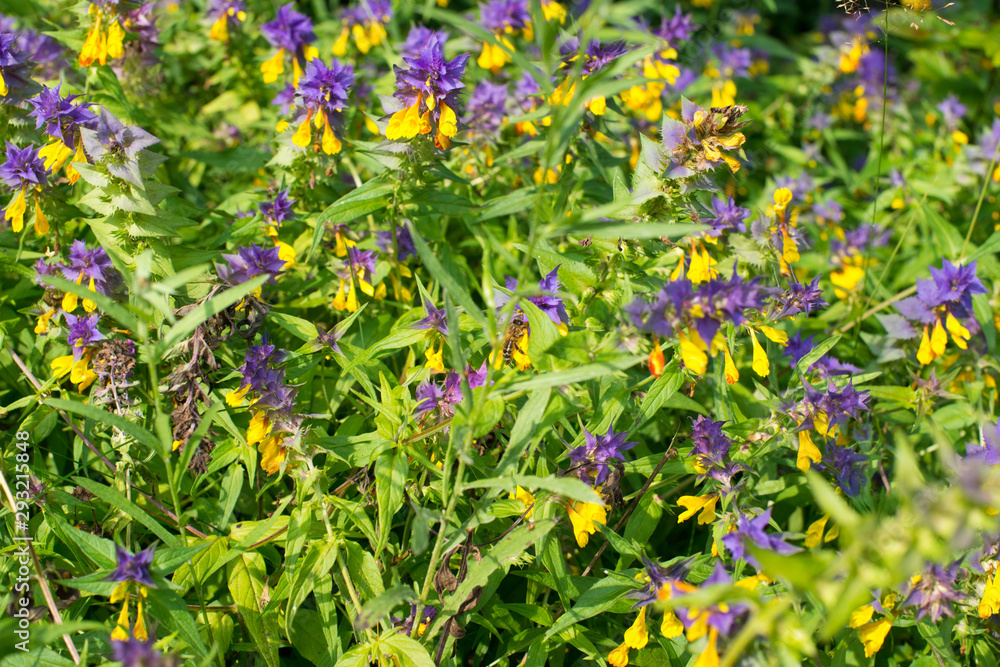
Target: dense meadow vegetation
{"points": [[519, 332]]}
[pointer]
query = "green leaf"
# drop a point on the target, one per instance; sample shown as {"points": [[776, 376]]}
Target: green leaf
{"points": [[595, 600], [815, 354], [130, 509], [169, 608], [379, 607], [570, 487], [407, 650], [106, 304], [247, 581], [451, 284], [574, 375], [370, 197], [391, 470], [102, 416]]}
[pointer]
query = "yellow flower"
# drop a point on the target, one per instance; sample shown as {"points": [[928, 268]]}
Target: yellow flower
{"points": [[693, 352], [861, 615], [959, 333], [732, 373], [671, 626], [235, 397], [872, 635], [814, 533], [774, 335], [694, 504], [808, 452], [710, 656], [493, 56], [761, 366], [782, 198], [120, 633], [435, 359], [990, 603], [583, 516], [260, 428], [637, 636], [619, 656], [273, 67], [553, 10], [15, 211], [272, 454], [526, 499]]}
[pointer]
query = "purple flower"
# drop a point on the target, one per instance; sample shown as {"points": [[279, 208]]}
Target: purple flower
{"points": [[548, 302], [15, 79], [799, 347], [722, 616], [134, 568], [289, 30], [505, 16], [91, 266], [486, 108], [677, 28], [368, 12], [428, 82], [989, 452], [711, 452], [436, 319], [23, 168], [248, 262], [728, 216], [601, 55], [58, 115], [116, 145], [404, 242], [952, 110], [800, 298], [830, 211], [285, 100], [443, 397], [135, 653], [82, 332], [279, 209], [591, 460], [405, 626], [953, 286], [325, 88], [733, 62], [751, 532], [845, 465], [833, 405], [359, 262], [934, 593], [418, 36]]}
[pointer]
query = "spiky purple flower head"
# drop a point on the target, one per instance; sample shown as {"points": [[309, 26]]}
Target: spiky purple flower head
{"points": [[845, 465], [600, 55], [135, 653], [837, 405], [436, 319], [442, 398], [289, 30], [722, 616], [418, 36], [429, 75], [22, 168], [248, 262], [58, 115], [800, 298], [325, 88], [134, 568], [278, 210], [935, 592], [486, 108], [13, 70], [591, 460], [368, 12], [82, 331], [505, 16], [677, 28], [728, 216], [549, 301], [751, 531], [91, 267], [112, 143], [404, 242]]}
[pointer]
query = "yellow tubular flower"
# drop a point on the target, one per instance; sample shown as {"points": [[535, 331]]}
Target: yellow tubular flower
{"points": [[54, 155], [732, 373], [808, 452], [959, 333], [42, 226], [694, 504], [619, 656], [583, 516], [637, 636], [774, 335], [15, 211], [939, 339], [761, 366], [553, 10], [990, 603], [861, 615], [671, 626], [303, 135], [814, 534], [139, 632], [120, 633], [526, 499], [435, 360], [872, 635], [693, 352], [924, 353], [331, 144], [116, 38], [710, 656], [273, 67], [272, 454]]}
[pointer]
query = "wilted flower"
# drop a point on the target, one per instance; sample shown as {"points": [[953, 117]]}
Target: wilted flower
{"points": [[698, 142], [290, 32], [428, 87]]}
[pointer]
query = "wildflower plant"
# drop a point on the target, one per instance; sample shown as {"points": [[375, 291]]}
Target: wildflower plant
{"points": [[515, 333]]}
